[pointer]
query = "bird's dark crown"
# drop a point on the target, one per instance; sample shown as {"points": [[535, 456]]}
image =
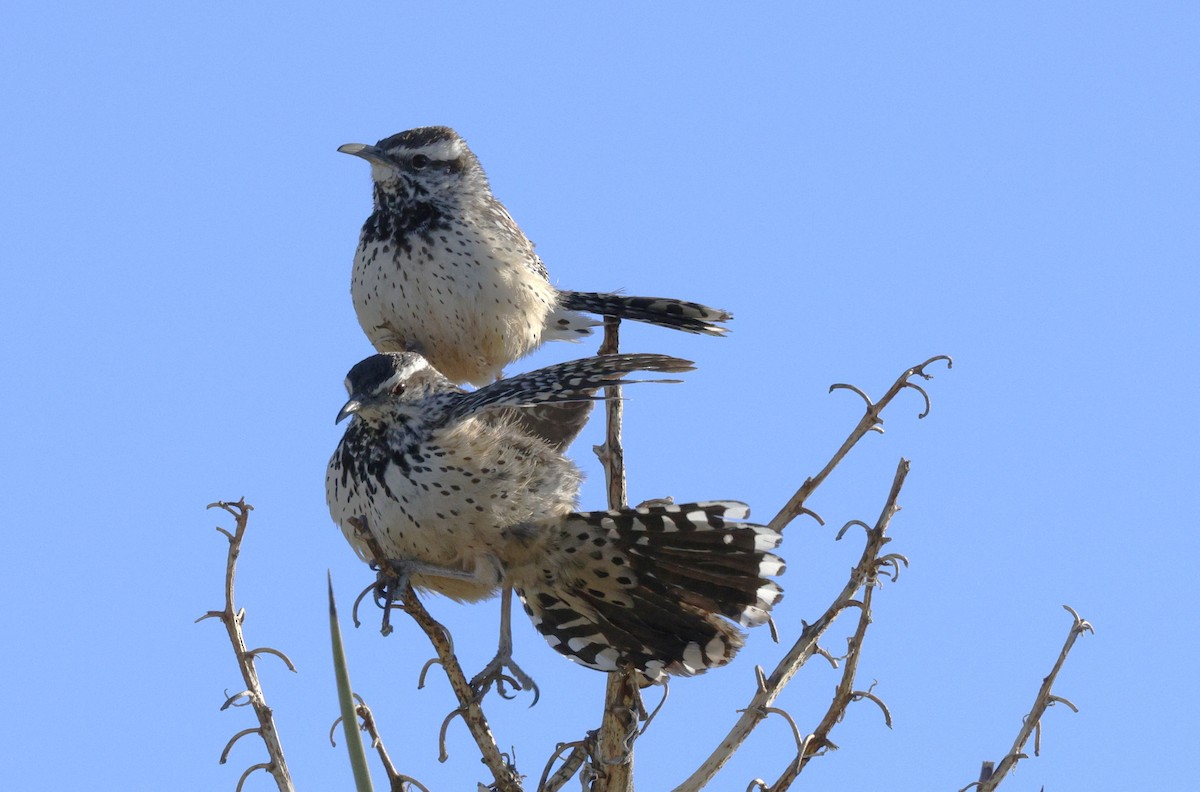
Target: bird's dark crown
{"points": [[384, 377], [369, 375], [418, 138]]}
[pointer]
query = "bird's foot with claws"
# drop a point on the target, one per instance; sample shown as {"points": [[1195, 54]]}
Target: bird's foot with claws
{"points": [[507, 684]]}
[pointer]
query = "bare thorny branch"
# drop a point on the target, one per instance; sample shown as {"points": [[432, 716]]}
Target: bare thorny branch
{"points": [[613, 771], [612, 760], [605, 757], [252, 695], [870, 422], [397, 781], [991, 776], [470, 704], [845, 694], [865, 573]]}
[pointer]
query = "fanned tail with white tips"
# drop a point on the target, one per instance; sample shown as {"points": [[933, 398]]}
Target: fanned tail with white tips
{"points": [[656, 588]]}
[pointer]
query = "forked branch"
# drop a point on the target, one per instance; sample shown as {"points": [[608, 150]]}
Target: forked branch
{"points": [[844, 695], [769, 687], [867, 569]]}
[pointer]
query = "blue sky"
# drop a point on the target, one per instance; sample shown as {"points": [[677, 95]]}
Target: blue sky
{"points": [[1014, 184]]}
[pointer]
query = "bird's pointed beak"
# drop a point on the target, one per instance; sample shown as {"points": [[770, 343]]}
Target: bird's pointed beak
{"points": [[372, 154], [349, 408]]}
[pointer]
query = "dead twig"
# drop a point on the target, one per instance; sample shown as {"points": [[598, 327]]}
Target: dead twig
{"points": [[612, 758], [398, 782], [253, 694], [504, 774], [769, 687], [845, 694], [552, 782], [1032, 723], [807, 645], [871, 421]]}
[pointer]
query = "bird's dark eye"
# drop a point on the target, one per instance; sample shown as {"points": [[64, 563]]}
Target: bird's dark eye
{"points": [[398, 389], [419, 161]]}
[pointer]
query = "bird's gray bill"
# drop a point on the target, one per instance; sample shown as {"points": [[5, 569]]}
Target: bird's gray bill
{"points": [[348, 409], [369, 153]]}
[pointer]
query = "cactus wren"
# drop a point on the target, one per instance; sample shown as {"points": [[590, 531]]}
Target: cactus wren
{"points": [[443, 270], [470, 501]]}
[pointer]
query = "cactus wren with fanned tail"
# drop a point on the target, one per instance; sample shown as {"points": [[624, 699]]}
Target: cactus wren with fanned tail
{"points": [[443, 270], [469, 501]]}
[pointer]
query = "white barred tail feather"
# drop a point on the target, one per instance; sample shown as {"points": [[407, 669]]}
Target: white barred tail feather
{"points": [[662, 311], [656, 588]]}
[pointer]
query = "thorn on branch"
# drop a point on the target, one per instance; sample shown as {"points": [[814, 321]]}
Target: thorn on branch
{"points": [[239, 510], [853, 389], [430, 663], [571, 765], [760, 678], [234, 739], [1060, 700], [666, 686], [801, 741], [919, 371], [892, 561], [858, 695], [810, 513], [846, 527], [446, 634], [241, 781], [924, 395], [1081, 625], [267, 650], [442, 754], [361, 706], [400, 781], [233, 701], [823, 652]]}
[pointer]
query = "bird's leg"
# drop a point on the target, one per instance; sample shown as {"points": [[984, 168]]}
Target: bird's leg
{"points": [[493, 672], [391, 584]]}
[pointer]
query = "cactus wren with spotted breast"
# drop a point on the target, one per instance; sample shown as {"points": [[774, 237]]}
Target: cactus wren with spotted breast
{"points": [[443, 270], [470, 501]]}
